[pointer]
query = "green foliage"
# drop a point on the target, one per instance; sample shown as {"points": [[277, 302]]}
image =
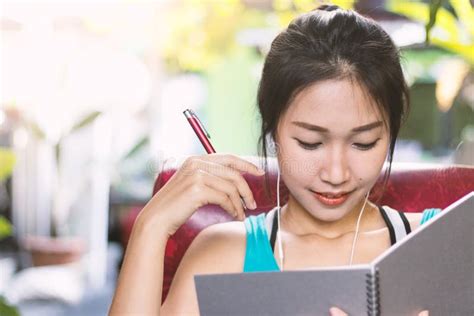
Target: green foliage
{"points": [[454, 32], [139, 145], [5, 228], [85, 121], [287, 10], [203, 32], [81, 123], [7, 309], [7, 162]]}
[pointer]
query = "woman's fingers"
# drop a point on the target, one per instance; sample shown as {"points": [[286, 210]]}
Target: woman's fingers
{"points": [[424, 313], [239, 182], [220, 184], [234, 162], [220, 198], [334, 311], [228, 173]]}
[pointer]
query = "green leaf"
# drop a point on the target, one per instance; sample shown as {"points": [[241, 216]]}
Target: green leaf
{"points": [[443, 20], [37, 131], [137, 147], [7, 162], [463, 50], [434, 7], [465, 14], [88, 119], [345, 4], [7, 309], [5, 228]]}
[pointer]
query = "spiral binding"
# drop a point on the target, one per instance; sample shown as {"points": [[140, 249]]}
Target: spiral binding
{"points": [[373, 293]]}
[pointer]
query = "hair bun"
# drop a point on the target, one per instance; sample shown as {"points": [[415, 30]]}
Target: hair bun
{"points": [[328, 7]]}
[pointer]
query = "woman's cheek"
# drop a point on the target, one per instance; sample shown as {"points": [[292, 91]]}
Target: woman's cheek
{"points": [[369, 165], [298, 165]]}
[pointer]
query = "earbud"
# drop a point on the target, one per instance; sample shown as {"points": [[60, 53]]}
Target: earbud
{"points": [[357, 228], [280, 247]]}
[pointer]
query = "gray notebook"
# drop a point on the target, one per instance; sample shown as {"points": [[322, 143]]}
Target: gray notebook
{"points": [[432, 268]]}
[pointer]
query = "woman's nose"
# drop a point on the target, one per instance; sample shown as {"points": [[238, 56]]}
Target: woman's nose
{"points": [[335, 168]]}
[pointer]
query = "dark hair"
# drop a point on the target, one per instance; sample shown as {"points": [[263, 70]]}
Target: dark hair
{"points": [[332, 43]]}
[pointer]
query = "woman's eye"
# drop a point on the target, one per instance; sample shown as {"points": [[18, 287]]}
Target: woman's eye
{"points": [[366, 146], [308, 146], [360, 146]]}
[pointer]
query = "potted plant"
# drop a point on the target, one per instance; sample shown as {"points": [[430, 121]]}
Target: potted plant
{"points": [[58, 248]]}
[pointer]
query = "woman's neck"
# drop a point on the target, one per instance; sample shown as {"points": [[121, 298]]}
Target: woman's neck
{"points": [[297, 220]]}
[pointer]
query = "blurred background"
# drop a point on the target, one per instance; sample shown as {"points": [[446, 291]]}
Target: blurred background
{"points": [[91, 101]]}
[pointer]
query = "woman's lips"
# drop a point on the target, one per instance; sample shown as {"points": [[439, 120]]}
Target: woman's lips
{"points": [[334, 201]]}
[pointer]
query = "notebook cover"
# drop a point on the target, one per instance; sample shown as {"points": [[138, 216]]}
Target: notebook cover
{"points": [[304, 292], [432, 268]]}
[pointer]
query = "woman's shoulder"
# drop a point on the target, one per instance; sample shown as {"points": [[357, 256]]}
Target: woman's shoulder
{"points": [[414, 219], [223, 233], [218, 248], [223, 244]]}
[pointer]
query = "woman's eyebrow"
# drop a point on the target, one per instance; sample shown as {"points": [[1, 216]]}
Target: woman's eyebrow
{"points": [[320, 129]]}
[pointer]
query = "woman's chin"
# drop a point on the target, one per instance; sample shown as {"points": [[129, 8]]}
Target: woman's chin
{"points": [[329, 216]]}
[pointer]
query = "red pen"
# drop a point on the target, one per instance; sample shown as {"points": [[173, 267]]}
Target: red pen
{"points": [[199, 129], [202, 134]]}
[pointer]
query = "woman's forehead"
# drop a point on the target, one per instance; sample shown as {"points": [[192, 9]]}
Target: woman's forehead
{"points": [[340, 104]]}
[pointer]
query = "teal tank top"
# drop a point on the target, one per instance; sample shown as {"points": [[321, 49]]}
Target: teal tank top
{"points": [[259, 253]]}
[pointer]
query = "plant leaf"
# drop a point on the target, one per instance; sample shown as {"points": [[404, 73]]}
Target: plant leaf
{"points": [[139, 145], [465, 13], [463, 50], [7, 309], [5, 229], [434, 7], [445, 21], [88, 119], [345, 4], [7, 162], [37, 131]]}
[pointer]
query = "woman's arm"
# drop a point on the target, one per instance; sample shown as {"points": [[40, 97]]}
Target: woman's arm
{"points": [[139, 286], [201, 180], [218, 248]]}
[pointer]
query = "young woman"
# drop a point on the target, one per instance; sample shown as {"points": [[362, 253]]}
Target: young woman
{"points": [[332, 98]]}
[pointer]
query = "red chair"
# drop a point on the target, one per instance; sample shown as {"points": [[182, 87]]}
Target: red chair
{"points": [[411, 188]]}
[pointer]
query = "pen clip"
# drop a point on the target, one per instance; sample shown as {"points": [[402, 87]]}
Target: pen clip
{"points": [[200, 124]]}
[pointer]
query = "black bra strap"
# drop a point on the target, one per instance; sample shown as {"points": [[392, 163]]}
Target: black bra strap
{"points": [[389, 225], [382, 212], [405, 222], [274, 230]]}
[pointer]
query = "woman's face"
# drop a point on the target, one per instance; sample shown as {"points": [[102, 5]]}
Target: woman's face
{"points": [[331, 139]]}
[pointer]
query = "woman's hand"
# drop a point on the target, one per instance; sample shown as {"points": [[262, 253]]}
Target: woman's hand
{"points": [[334, 311], [207, 179]]}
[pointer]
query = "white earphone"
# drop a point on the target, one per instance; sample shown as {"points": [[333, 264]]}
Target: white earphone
{"points": [[280, 244]]}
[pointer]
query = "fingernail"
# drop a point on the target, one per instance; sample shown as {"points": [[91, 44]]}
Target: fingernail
{"points": [[251, 205], [261, 171]]}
